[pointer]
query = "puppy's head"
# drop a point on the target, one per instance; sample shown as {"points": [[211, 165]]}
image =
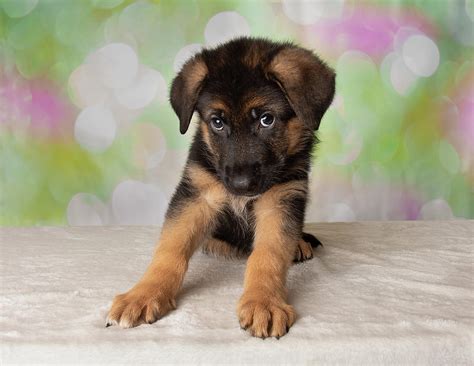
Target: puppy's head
{"points": [[259, 104]]}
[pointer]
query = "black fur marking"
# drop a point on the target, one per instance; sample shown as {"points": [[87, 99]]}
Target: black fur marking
{"points": [[309, 238], [235, 230], [295, 206], [184, 193]]}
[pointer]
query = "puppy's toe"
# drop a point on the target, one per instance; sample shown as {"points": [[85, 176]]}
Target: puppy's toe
{"points": [[266, 318], [304, 252], [142, 304]]}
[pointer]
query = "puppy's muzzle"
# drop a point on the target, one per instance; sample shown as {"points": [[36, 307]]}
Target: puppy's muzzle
{"points": [[242, 180]]}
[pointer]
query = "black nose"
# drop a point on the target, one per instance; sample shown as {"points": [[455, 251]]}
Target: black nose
{"points": [[240, 183], [241, 179]]}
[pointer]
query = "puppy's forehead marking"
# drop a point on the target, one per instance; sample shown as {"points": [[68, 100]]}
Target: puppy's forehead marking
{"points": [[218, 105], [265, 100], [255, 101]]}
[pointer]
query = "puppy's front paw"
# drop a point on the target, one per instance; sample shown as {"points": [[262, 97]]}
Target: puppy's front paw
{"points": [[266, 317], [144, 303]]}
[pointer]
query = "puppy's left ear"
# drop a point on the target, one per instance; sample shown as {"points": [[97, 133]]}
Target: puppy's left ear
{"points": [[185, 90], [309, 84]]}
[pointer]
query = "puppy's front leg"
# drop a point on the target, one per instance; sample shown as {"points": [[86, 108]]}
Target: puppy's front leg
{"points": [[263, 308], [189, 219]]}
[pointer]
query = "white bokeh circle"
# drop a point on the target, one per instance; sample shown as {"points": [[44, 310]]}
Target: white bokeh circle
{"points": [[95, 128], [386, 67], [149, 147], [340, 212], [115, 65], [138, 203], [18, 8], [143, 90], [403, 33], [184, 54], [437, 209], [421, 55], [401, 77], [168, 173], [225, 26], [85, 209], [449, 157], [307, 12], [85, 89], [351, 143]]}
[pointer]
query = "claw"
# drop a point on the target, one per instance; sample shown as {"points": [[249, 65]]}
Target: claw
{"points": [[312, 240]]}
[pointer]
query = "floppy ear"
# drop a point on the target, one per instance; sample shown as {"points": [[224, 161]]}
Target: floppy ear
{"points": [[308, 83], [185, 90]]}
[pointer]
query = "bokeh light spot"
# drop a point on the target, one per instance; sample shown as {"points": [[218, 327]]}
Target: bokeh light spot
{"points": [[95, 129], [449, 157], [340, 212], [85, 209], [421, 55], [18, 8], [138, 203], [143, 90], [403, 33], [185, 54], [84, 88], [149, 146], [403, 80], [437, 209], [225, 26], [115, 64], [307, 12], [26, 33]]}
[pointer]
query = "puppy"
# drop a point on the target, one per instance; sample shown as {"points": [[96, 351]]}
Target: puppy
{"points": [[245, 184]]}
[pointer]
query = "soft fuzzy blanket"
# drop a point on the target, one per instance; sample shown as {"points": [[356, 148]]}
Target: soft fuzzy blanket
{"points": [[377, 293]]}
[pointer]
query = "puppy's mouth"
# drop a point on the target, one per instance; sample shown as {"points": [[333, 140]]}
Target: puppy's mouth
{"points": [[243, 193], [243, 186], [249, 195]]}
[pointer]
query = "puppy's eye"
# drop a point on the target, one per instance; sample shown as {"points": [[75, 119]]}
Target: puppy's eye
{"points": [[267, 120], [217, 123]]}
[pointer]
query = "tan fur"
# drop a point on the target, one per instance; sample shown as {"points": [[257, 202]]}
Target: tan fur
{"points": [[207, 138], [218, 105], [254, 101], [294, 132], [308, 86], [262, 308], [307, 82], [238, 204], [253, 56], [154, 295], [195, 73], [221, 248], [286, 63], [304, 251]]}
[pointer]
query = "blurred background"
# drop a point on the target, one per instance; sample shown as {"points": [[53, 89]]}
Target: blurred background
{"points": [[88, 136]]}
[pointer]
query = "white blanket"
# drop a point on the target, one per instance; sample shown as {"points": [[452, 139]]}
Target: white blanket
{"points": [[377, 293]]}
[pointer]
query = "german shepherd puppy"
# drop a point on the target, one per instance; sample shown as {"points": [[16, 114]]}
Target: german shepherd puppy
{"points": [[245, 184]]}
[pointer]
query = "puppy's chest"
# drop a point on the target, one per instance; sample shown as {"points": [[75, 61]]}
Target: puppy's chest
{"points": [[241, 207], [236, 223]]}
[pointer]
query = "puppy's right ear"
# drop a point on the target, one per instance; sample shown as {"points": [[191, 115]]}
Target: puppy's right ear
{"points": [[185, 90], [308, 83]]}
